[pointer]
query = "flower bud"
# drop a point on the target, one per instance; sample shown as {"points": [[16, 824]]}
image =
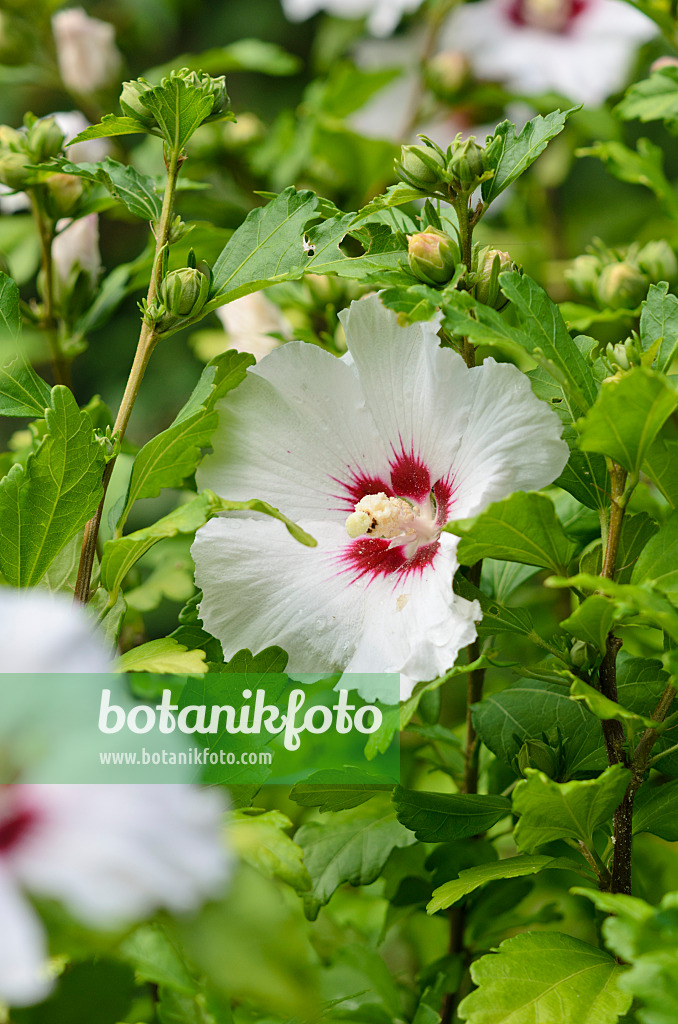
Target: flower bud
{"points": [[536, 754], [11, 141], [87, 55], [625, 354], [183, 293], [447, 73], [130, 103], [45, 139], [433, 256], [467, 164], [421, 167], [583, 274], [658, 260], [64, 191], [492, 263], [13, 170], [621, 286]]}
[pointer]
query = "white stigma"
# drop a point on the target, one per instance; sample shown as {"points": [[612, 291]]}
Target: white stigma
{"points": [[401, 522]]}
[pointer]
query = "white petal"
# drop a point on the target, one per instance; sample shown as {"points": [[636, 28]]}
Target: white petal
{"points": [[23, 949], [417, 392], [262, 588], [40, 632], [295, 426], [115, 853], [511, 441], [383, 15], [298, 598]]}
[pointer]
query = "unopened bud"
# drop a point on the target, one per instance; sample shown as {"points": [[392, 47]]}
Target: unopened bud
{"points": [[183, 293], [433, 256], [422, 167], [658, 260], [492, 263], [583, 274], [45, 139], [621, 286], [131, 105], [447, 73], [467, 164], [64, 191], [536, 754], [13, 170], [625, 354], [11, 141]]}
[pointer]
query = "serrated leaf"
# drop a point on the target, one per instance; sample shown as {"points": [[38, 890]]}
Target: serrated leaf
{"points": [[44, 503], [518, 152], [496, 618], [627, 416], [642, 166], [658, 562], [10, 314], [444, 817], [178, 108], [531, 710], [328, 789], [592, 621], [22, 392], [384, 249], [110, 126], [659, 325], [261, 840], [164, 655], [173, 455], [523, 528], [566, 810], [353, 846], [267, 247], [134, 190], [474, 877], [632, 599], [545, 977], [652, 99]]}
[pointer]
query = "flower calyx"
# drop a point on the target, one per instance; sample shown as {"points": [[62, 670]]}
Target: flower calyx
{"points": [[139, 98], [433, 256], [181, 296]]}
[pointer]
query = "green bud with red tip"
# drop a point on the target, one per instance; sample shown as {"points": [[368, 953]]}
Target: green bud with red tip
{"points": [[433, 256]]}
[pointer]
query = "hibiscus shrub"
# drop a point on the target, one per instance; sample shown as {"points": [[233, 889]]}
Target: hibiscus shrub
{"points": [[403, 400]]}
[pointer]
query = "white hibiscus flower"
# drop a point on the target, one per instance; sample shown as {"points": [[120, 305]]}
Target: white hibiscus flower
{"points": [[87, 56], [383, 16], [580, 48], [399, 427], [111, 854]]}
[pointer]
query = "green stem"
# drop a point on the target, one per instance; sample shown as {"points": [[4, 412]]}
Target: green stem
{"points": [[147, 342], [60, 366]]}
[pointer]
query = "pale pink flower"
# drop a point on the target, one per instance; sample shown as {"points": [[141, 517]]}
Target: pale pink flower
{"points": [[250, 322], [397, 417], [86, 52], [77, 244]]}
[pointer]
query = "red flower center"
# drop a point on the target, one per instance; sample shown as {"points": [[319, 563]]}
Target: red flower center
{"points": [[547, 15], [15, 820]]}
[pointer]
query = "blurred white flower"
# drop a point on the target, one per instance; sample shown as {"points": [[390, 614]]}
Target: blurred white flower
{"points": [[110, 854], [77, 244], [580, 48], [86, 52], [250, 321], [382, 15]]}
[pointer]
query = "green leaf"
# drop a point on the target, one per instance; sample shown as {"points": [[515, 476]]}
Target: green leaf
{"points": [[655, 809], [517, 152], [637, 530], [548, 339], [260, 839], [267, 247], [604, 708], [592, 620], [642, 166], [165, 655], [566, 810], [120, 555], [22, 392], [328, 789], [658, 562], [352, 847], [134, 190], [545, 978], [173, 455], [632, 599], [531, 710], [661, 464], [659, 325], [155, 959], [474, 877], [110, 126], [179, 109], [627, 416], [523, 528], [44, 503], [242, 55], [10, 314], [652, 99], [384, 249], [496, 618], [443, 817]]}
